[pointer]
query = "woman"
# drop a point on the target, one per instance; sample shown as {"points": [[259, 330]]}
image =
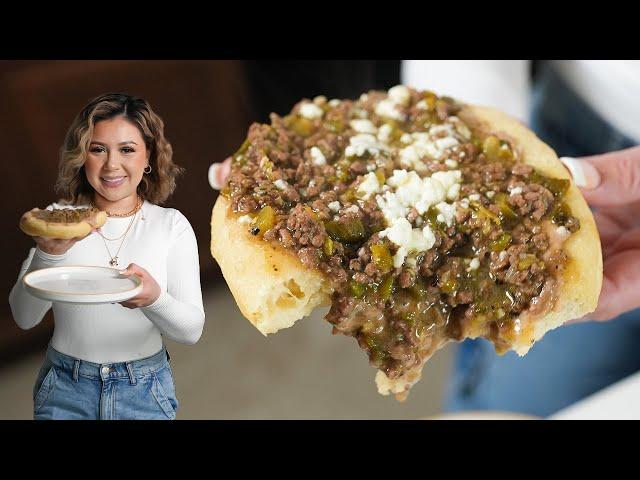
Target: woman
{"points": [[108, 361]]}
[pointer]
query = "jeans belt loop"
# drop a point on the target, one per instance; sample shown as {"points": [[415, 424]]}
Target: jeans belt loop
{"points": [[76, 367], [132, 377]]}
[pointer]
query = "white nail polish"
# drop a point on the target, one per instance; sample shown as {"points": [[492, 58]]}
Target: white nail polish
{"points": [[577, 172], [213, 176]]}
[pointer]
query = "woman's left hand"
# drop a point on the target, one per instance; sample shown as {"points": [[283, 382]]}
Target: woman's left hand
{"points": [[611, 183], [150, 288]]}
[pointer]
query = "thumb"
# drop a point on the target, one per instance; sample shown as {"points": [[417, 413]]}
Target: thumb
{"points": [[130, 270], [218, 173], [607, 180]]}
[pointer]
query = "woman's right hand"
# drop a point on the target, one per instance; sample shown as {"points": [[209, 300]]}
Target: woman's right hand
{"points": [[58, 246], [218, 173]]}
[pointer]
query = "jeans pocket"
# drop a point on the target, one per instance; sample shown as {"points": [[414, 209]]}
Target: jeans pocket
{"points": [[45, 389], [161, 397]]}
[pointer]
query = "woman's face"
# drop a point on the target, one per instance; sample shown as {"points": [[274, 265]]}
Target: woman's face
{"points": [[116, 159]]}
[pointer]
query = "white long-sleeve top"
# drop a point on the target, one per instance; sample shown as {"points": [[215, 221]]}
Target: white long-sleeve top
{"points": [[162, 242], [610, 87]]}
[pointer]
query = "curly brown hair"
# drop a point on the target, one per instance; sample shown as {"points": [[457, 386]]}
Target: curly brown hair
{"points": [[155, 187]]}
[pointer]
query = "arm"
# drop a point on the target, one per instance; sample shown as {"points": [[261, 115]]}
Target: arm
{"points": [[178, 312], [503, 84], [28, 310]]}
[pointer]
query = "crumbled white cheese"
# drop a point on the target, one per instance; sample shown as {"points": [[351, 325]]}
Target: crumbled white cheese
{"points": [[320, 100], [424, 143], [281, 184], [474, 264], [334, 206], [447, 213], [387, 109], [448, 179], [398, 258], [453, 191], [516, 191], [490, 194], [419, 222], [362, 143], [464, 203], [369, 186], [422, 104], [429, 237], [412, 191], [363, 126], [391, 206], [474, 197], [334, 102], [503, 255], [460, 127], [352, 209], [317, 157], [311, 110], [412, 239], [410, 158], [244, 219], [384, 133], [400, 94], [406, 138], [445, 143], [451, 163], [438, 130]]}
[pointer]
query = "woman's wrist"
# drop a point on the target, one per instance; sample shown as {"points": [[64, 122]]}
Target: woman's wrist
{"points": [[158, 302]]}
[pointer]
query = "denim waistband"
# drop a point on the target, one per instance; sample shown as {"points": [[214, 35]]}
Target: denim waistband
{"points": [[132, 370]]}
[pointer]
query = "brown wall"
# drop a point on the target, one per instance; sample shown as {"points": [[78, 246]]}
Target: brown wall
{"points": [[204, 105]]}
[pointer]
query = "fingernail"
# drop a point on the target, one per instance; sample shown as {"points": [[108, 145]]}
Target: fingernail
{"points": [[213, 176], [123, 271], [584, 174]]}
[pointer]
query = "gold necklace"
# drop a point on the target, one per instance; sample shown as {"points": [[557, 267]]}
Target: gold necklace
{"points": [[132, 212], [114, 259]]}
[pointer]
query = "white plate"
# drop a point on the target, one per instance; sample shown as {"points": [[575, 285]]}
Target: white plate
{"points": [[87, 285]]}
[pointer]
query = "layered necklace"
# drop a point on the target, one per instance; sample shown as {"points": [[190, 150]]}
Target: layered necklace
{"points": [[134, 216]]}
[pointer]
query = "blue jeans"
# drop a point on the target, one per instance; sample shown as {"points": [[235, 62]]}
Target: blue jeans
{"points": [[573, 361], [71, 389]]}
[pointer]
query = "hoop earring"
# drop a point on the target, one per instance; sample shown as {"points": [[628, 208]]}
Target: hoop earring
{"points": [[145, 169]]}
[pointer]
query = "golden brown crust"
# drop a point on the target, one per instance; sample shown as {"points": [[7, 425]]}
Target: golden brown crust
{"points": [[257, 272], [270, 285], [34, 225]]}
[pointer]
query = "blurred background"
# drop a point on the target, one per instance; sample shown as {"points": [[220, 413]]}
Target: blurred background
{"points": [[233, 372]]}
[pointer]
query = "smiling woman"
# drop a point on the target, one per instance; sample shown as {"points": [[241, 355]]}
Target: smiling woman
{"points": [[108, 361]]}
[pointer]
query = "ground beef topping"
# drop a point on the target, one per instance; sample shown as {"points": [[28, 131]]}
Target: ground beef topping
{"points": [[430, 231], [66, 215]]}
